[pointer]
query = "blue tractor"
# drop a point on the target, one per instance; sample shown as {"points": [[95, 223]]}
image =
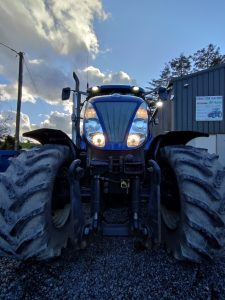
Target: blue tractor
{"points": [[156, 190]]}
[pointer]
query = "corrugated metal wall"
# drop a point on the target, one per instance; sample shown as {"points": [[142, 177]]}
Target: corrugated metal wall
{"points": [[209, 82], [180, 114], [166, 119]]}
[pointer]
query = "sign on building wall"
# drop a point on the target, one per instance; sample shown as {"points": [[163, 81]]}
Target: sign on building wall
{"points": [[209, 108]]}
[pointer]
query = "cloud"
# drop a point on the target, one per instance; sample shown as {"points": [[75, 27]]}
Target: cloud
{"points": [[57, 120], [66, 26], [9, 92], [56, 37], [54, 120], [97, 77]]}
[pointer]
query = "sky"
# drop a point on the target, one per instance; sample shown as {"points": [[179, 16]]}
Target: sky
{"points": [[104, 41]]}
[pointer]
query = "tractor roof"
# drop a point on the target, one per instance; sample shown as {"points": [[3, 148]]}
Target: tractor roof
{"points": [[115, 89]]}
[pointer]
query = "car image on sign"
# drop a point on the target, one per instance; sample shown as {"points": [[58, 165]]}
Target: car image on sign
{"points": [[216, 113]]}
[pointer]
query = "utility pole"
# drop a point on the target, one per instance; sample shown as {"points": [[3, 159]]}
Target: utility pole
{"points": [[19, 97]]}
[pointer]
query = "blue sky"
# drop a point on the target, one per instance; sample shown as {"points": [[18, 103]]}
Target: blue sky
{"points": [[144, 35], [117, 41]]}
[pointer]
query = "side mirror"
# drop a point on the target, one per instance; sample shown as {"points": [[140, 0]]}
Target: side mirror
{"points": [[65, 93], [163, 94]]}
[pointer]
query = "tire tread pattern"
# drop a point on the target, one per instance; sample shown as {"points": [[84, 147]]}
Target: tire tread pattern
{"points": [[201, 232], [26, 190]]}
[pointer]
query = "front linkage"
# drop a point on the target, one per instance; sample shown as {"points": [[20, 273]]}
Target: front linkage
{"points": [[146, 233]]}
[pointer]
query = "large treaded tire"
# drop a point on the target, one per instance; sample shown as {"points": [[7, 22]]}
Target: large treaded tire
{"points": [[26, 199], [192, 203]]}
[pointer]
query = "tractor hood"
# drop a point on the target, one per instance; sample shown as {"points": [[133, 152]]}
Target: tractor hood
{"points": [[115, 114]]}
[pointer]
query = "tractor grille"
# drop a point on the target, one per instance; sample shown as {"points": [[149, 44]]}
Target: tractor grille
{"points": [[116, 117]]}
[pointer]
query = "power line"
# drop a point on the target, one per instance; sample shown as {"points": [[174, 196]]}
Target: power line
{"points": [[31, 77], [9, 48]]}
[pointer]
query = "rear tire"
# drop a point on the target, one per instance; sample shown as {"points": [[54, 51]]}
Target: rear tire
{"points": [[35, 204], [192, 203]]}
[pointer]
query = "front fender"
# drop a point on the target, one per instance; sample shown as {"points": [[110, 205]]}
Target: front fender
{"points": [[171, 138], [51, 136]]}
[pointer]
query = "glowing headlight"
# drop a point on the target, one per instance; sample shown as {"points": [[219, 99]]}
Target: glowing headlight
{"points": [[98, 139], [90, 113], [92, 127], [133, 140], [139, 128], [142, 113]]}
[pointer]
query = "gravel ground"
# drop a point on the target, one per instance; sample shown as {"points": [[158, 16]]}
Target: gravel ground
{"points": [[110, 268]]}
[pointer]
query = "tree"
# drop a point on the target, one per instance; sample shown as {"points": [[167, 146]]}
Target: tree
{"points": [[181, 65], [4, 128], [207, 57], [165, 76], [8, 143], [202, 59], [163, 80]]}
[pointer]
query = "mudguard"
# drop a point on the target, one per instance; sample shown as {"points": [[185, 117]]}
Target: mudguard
{"points": [[172, 138], [51, 136]]}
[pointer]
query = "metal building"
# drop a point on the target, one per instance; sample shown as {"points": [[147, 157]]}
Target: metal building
{"points": [[198, 105]]}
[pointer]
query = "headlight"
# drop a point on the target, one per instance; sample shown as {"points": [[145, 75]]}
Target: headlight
{"points": [[133, 140], [98, 139], [139, 128], [142, 113], [90, 113], [92, 128]]}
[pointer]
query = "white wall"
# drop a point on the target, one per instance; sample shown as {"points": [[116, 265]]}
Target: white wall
{"points": [[220, 145], [215, 143]]}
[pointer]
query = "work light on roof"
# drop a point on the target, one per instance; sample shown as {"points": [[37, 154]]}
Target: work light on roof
{"points": [[135, 89], [95, 89], [159, 103]]}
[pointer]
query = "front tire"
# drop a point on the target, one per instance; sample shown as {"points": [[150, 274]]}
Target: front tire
{"points": [[192, 203], [35, 204]]}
